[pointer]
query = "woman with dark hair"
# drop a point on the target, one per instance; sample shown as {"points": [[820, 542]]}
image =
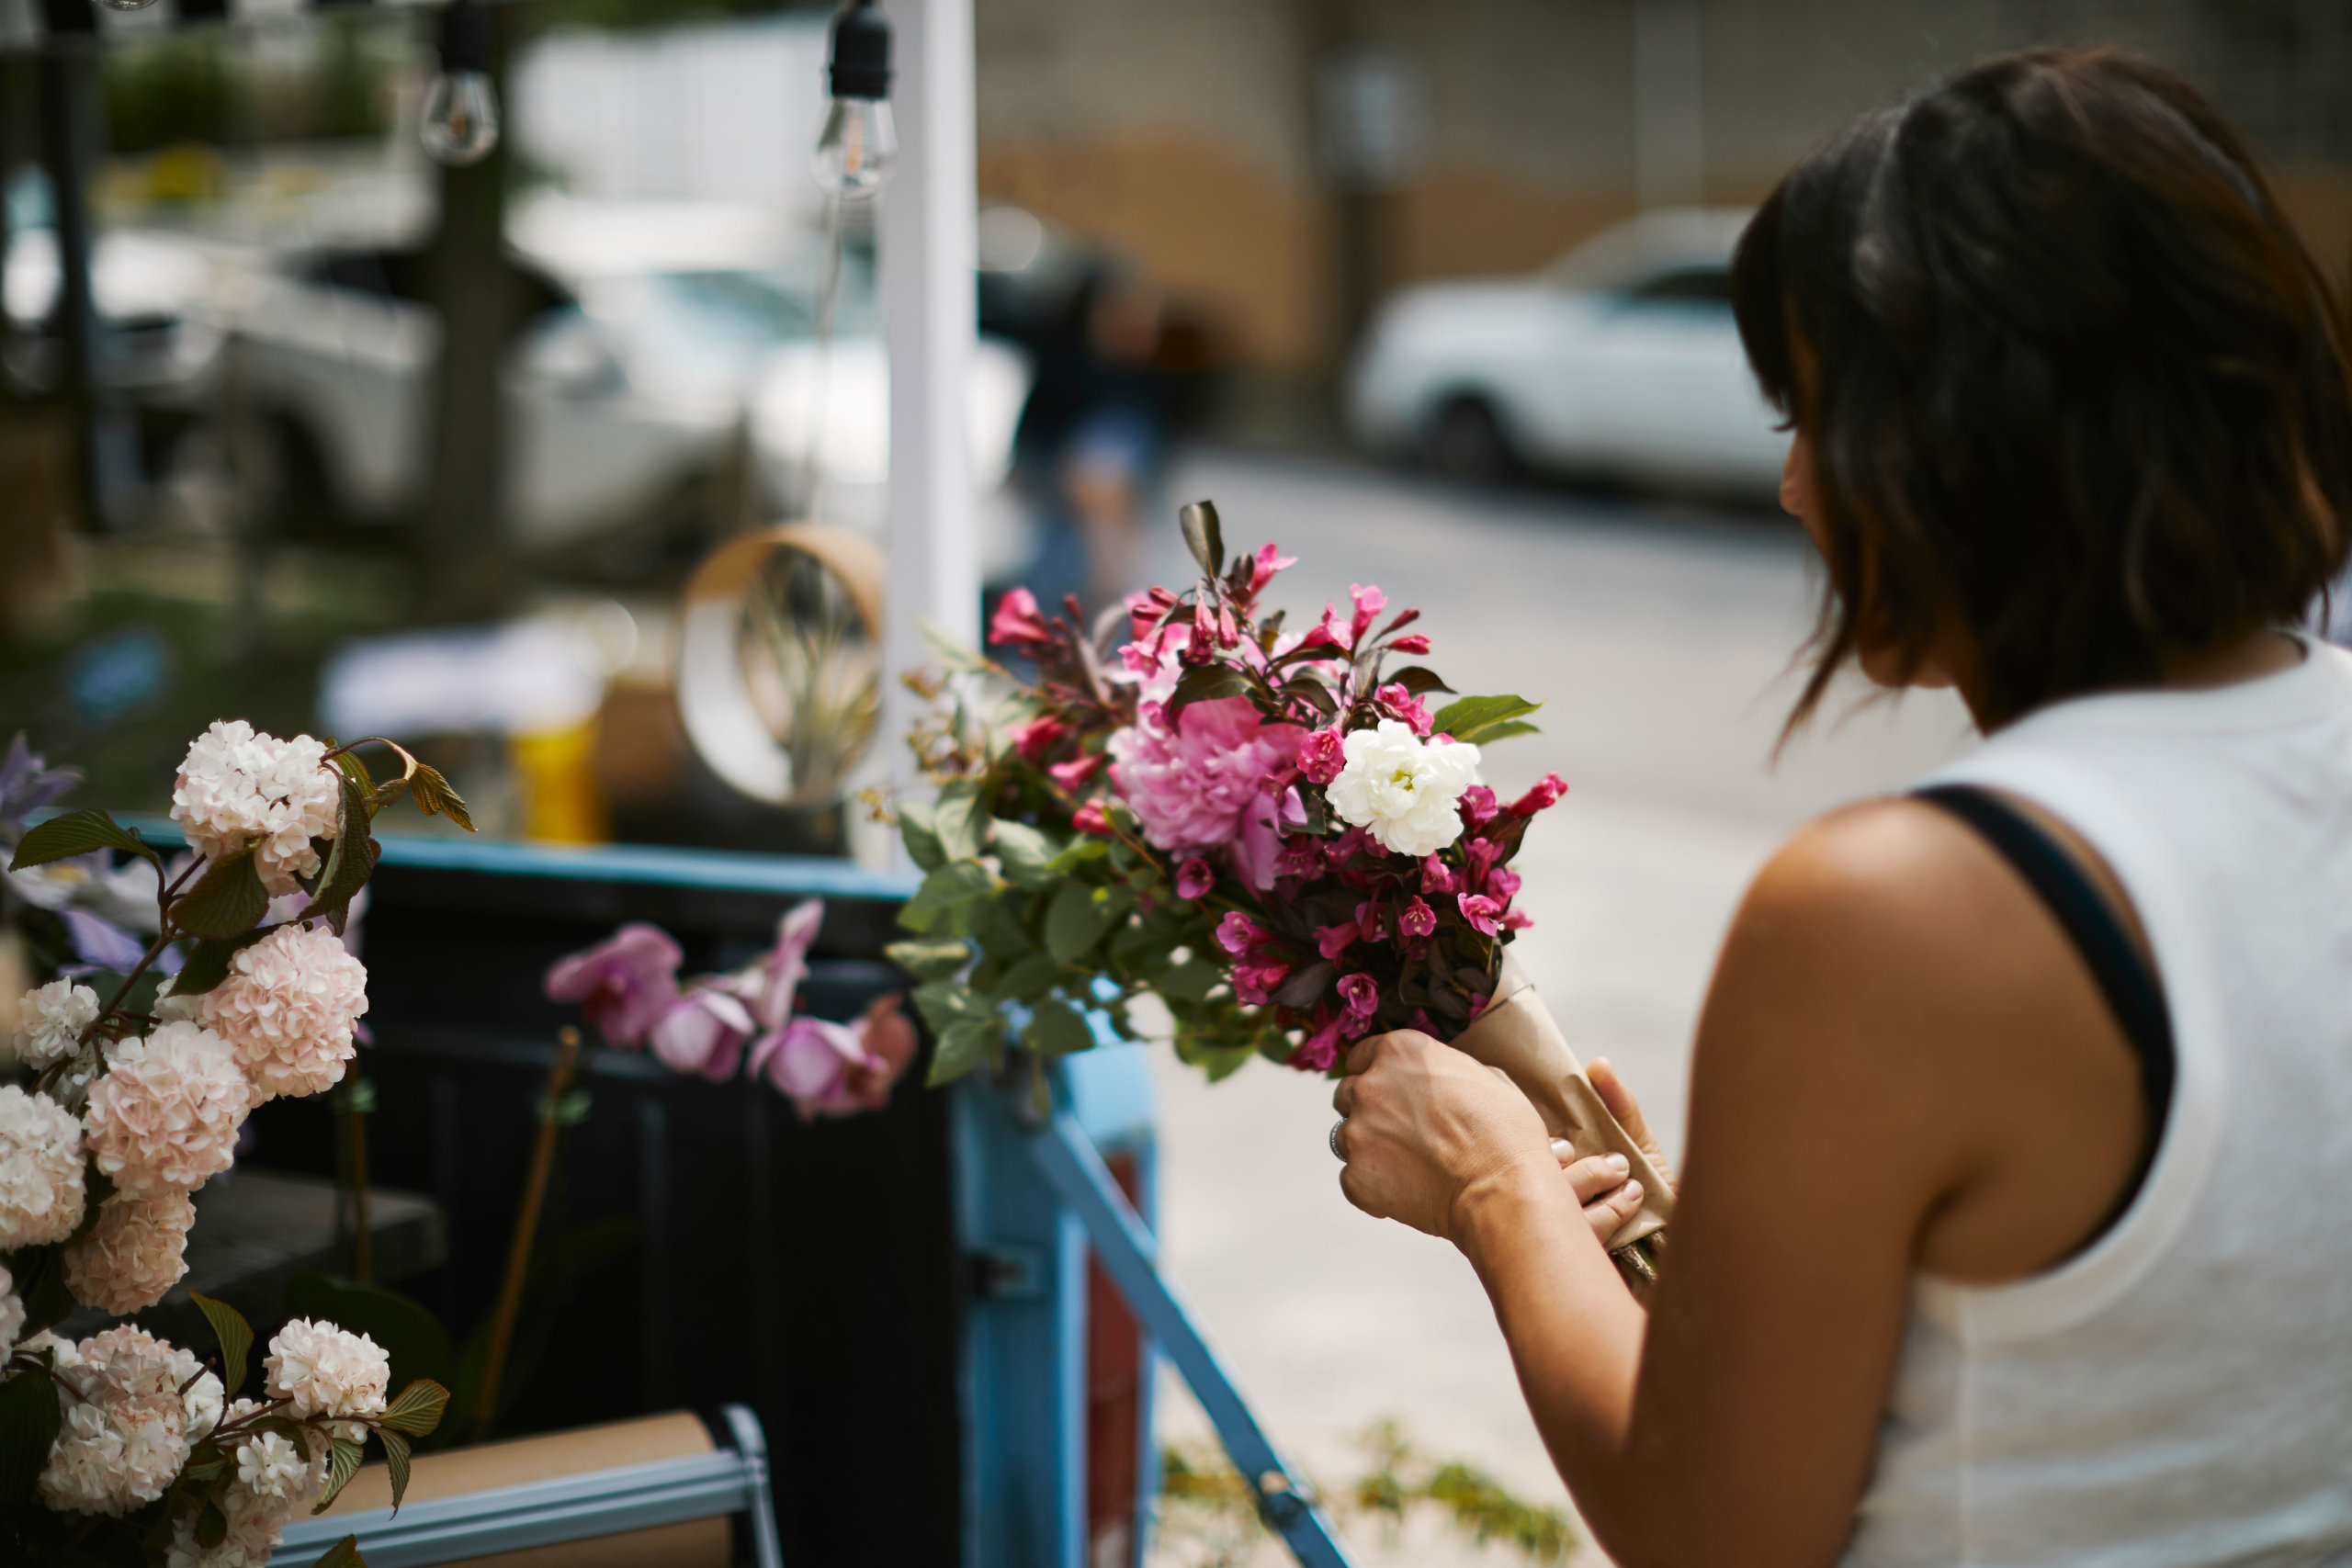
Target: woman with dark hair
{"points": [[2013, 1225]]}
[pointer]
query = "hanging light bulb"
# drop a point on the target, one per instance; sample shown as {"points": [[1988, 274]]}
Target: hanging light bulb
{"points": [[127, 4], [860, 146], [461, 123]]}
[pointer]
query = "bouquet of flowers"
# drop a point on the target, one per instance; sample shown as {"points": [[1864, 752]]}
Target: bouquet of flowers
{"points": [[121, 1447], [1270, 831]]}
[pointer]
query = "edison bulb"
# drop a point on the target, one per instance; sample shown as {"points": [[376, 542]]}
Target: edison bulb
{"points": [[460, 124], [859, 149], [127, 4]]}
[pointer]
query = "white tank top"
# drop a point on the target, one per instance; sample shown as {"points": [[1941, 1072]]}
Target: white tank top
{"points": [[2179, 1394]]}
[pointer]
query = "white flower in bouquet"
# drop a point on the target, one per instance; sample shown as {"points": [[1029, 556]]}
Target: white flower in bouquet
{"points": [[53, 1018], [173, 1008], [205, 1402], [167, 1112], [270, 1466], [124, 1432], [325, 1371], [1404, 790], [288, 1007], [239, 787], [12, 1314], [41, 1169], [133, 1255], [256, 1519]]}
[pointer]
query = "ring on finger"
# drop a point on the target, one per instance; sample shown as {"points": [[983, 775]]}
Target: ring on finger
{"points": [[1336, 1128]]}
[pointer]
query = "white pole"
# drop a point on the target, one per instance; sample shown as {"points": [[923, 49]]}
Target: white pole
{"points": [[928, 307]]}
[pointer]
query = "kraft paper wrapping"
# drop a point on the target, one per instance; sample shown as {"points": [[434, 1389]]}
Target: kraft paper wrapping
{"points": [[1516, 1035], [692, 1543]]}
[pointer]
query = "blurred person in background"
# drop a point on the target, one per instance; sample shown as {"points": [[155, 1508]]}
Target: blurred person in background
{"points": [[2012, 1231], [1093, 439]]}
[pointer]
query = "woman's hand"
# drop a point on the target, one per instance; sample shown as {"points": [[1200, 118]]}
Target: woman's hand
{"points": [[1602, 1075], [1427, 1127], [1610, 1199]]}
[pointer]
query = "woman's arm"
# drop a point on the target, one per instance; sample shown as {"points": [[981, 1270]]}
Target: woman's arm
{"points": [[1885, 993]]}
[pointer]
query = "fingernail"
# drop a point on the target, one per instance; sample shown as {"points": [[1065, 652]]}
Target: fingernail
{"points": [[1632, 1191], [1617, 1163], [1562, 1148]]}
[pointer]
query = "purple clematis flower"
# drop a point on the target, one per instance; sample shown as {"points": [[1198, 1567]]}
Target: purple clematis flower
{"points": [[26, 784], [787, 963], [624, 984], [838, 1069], [702, 1032], [102, 944]]}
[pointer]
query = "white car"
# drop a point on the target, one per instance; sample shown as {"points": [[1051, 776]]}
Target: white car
{"points": [[1620, 360]]}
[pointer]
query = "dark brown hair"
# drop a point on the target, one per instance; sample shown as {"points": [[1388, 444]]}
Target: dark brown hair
{"points": [[2071, 378]]}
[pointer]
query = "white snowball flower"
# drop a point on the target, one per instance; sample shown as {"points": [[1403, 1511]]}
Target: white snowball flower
{"points": [[288, 1007], [167, 1112], [1403, 789], [12, 1314], [133, 1255], [41, 1169], [170, 1007], [270, 1466], [239, 787], [123, 1436], [53, 1018], [325, 1371], [84, 1473], [204, 1402]]}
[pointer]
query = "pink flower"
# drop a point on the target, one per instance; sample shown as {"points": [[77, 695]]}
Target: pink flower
{"points": [[1195, 877], [1368, 920], [1038, 736], [788, 963], [623, 984], [1413, 642], [1478, 1003], [1503, 882], [1018, 624], [1257, 852], [1362, 993], [702, 1031], [1333, 940], [1346, 847], [1255, 983], [1090, 819], [133, 1255], [1262, 569], [838, 1069], [1144, 612], [1416, 919], [1480, 911], [1422, 1022], [165, 1115], [1518, 921], [1301, 857], [1369, 603], [1202, 645], [1319, 1050], [1321, 754], [1402, 704], [1548, 790], [1438, 877], [1477, 804], [1481, 854], [1191, 782], [1238, 933], [287, 1007], [1069, 775]]}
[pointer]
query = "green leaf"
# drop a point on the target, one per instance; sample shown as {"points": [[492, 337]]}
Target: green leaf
{"points": [[957, 819], [1190, 981], [395, 1463], [40, 1275], [920, 835], [30, 1419], [930, 960], [418, 1409], [1026, 854], [1203, 536], [435, 798], [226, 901], [344, 1553], [943, 1004], [235, 1335], [211, 1523], [963, 1047], [75, 833], [1029, 978], [1082, 848], [208, 962], [343, 1463], [1467, 718], [1504, 731], [1058, 1029], [1001, 922], [1417, 679], [952, 653], [1079, 915], [1201, 684], [943, 905], [350, 861]]}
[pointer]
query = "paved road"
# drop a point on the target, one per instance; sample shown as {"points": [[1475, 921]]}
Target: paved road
{"points": [[1659, 638]]}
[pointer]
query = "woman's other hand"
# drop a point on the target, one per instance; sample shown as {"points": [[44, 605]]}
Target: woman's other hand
{"points": [[1615, 1094], [1608, 1198], [1428, 1128]]}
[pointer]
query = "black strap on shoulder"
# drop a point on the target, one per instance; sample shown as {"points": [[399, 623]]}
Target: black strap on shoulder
{"points": [[2124, 977]]}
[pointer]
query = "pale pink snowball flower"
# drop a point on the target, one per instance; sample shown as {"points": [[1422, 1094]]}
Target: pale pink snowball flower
{"points": [[167, 1114], [287, 1007], [41, 1169], [325, 1371], [239, 786], [12, 1314], [124, 1433], [133, 1255]]}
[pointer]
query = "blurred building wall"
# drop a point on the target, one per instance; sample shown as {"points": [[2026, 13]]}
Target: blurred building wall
{"points": [[1188, 136]]}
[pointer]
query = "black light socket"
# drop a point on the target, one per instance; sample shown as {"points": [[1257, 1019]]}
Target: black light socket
{"points": [[465, 37], [861, 63]]}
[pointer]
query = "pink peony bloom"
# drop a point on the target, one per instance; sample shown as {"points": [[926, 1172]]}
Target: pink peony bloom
{"points": [[1333, 940], [702, 1032], [1195, 877], [1320, 1049], [1481, 911], [1369, 603], [838, 1069], [1018, 624], [1321, 755], [623, 984], [1069, 775], [1191, 784], [1416, 919], [1090, 819], [1238, 933], [1362, 993], [1257, 852], [1547, 791], [1414, 642], [1037, 738]]}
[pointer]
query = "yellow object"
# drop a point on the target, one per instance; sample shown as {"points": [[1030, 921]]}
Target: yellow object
{"points": [[555, 773]]}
